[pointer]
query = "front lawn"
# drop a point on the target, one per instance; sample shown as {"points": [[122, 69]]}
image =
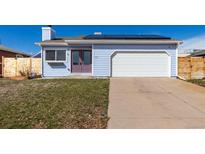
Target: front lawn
{"points": [[54, 103], [199, 82]]}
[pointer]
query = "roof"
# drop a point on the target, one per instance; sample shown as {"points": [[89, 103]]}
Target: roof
{"points": [[3, 48], [149, 37], [183, 55], [198, 53], [111, 39]]}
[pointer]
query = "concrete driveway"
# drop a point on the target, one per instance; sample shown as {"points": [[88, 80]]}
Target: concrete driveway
{"points": [[155, 103]]}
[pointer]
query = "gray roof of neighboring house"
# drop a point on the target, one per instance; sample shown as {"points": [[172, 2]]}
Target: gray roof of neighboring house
{"points": [[198, 53], [4, 48], [115, 39]]}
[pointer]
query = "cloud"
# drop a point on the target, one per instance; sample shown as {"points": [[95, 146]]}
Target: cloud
{"points": [[197, 42]]}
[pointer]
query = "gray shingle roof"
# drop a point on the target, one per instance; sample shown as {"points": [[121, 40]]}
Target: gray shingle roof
{"points": [[109, 39], [198, 53], [4, 48]]}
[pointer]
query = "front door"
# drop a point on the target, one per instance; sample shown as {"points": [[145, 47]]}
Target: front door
{"points": [[81, 61]]}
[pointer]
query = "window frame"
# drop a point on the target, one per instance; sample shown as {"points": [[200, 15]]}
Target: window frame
{"points": [[56, 61]]}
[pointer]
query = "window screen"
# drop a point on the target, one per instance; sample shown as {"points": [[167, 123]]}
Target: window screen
{"points": [[56, 55], [61, 55], [50, 54]]}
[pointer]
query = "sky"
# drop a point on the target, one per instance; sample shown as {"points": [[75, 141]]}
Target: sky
{"points": [[23, 37]]}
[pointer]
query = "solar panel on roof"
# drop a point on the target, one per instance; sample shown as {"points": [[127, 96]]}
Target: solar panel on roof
{"points": [[125, 37]]}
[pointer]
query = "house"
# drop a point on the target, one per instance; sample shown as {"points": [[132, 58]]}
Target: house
{"points": [[198, 53], [101, 55], [8, 52], [183, 55], [193, 53]]}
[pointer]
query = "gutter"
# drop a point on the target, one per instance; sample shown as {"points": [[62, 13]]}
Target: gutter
{"points": [[123, 42], [84, 42], [51, 44]]}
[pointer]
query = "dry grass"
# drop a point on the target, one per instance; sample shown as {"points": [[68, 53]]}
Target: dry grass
{"points": [[199, 82], [54, 103]]}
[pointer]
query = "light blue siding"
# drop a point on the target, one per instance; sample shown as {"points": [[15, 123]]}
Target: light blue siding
{"points": [[102, 56], [56, 69]]}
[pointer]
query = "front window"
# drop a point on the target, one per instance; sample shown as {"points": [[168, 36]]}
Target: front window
{"points": [[87, 57], [56, 55], [61, 55], [50, 55], [76, 57]]}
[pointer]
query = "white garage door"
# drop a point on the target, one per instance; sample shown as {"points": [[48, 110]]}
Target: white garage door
{"points": [[139, 64]]}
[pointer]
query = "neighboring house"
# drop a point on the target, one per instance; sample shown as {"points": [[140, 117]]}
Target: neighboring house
{"points": [[101, 55], [8, 52], [183, 55], [193, 53], [198, 53]]}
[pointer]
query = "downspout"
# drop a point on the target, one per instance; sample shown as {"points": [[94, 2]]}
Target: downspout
{"points": [[180, 77]]}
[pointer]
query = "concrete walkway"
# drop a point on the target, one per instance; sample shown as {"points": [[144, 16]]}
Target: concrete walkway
{"points": [[155, 103]]}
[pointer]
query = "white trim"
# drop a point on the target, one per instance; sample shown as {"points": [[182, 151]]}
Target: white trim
{"points": [[55, 48], [177, 61], [41, 62], [63, 44], [110, 41], [170, 65], [92, 52], [54, 61], [107, 42], [70, 58]]}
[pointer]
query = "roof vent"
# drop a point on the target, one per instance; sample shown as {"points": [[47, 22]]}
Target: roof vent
{"points": [[97, 33]]}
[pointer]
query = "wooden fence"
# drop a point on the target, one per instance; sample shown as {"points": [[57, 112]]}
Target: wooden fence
{"points": [[191, 67], [20, 66]]}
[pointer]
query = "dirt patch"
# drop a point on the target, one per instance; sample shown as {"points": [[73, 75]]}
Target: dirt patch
{"points": [[18, 78], [200, 82]]}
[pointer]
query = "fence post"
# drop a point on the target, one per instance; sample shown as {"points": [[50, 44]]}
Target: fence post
{"points": [[30, 65], [2, 66], [204, 66], [16, 70], [190, 63]]}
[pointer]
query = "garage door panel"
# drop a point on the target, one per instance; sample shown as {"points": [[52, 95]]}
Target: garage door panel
{"points": [[145, 70], [140, 64]]}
